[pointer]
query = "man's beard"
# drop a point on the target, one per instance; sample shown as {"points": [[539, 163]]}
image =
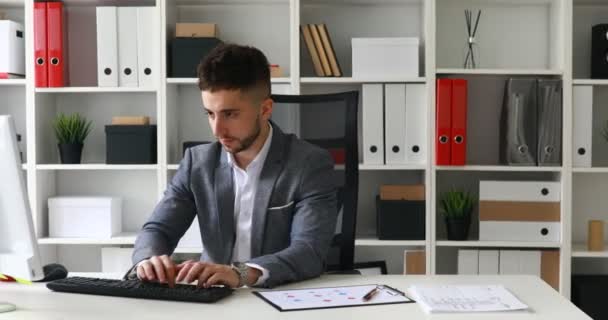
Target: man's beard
{"points": [[246, 142]]}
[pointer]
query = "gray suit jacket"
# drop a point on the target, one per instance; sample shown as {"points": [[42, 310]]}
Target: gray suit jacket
{"points": [[294, 217]]}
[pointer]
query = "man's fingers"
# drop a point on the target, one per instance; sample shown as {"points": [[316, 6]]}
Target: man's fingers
{"points": [[183, 271], [141, 274], [194, 272], [208, 272], [169, 270], [217, 278], [159, 268], [148, 271]]}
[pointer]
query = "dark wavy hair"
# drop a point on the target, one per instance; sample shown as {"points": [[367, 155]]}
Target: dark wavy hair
{"points": [[235, 67]]}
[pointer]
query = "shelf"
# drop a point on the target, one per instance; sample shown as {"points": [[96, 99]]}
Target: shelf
{"points": [[363, 166], [374, 242], [349, 80], [94, 89], [450, 71], [12, 3], [579, 250], [499, 168], [125, 238], [93, 3], [591, 170], [226, 2], [12, 82], [506, 244], [594, 82], [96, 166], [188, 250], [195, 80]]}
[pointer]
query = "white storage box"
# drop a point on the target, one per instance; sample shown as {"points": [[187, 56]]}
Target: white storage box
{"points": [[85, 217], [385, 57], [12, 48]]}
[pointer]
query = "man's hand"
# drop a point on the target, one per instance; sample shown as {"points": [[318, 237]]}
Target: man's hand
{"points": [[209, 274], [157, 268]]}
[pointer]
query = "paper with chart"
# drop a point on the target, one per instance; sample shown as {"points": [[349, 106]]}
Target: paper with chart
{"points": [[320, 298], [465, 298]]}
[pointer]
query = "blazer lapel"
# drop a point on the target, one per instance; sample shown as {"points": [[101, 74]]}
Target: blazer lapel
{"points": [[268, 177], [224, 191]]}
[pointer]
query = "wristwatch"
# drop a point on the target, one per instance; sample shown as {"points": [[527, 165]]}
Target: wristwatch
{"points": [[243, 272]]}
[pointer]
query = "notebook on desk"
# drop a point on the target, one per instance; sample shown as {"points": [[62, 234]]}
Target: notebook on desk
{"points": [[332, 297]]}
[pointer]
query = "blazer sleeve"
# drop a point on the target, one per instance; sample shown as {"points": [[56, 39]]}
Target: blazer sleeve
{"points": [[171, 217], [312, 229]]}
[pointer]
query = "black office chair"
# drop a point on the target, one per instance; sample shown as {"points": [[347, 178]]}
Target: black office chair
{"points": [[330, 121]]}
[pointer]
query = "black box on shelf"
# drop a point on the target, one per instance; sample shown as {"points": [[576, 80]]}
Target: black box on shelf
{"points": [[400, 219], [131, 144], [189, 144], [588, 294], [187, 53]]}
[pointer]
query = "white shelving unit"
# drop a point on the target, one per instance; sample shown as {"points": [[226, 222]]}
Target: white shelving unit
{"points": [[519, 38]]}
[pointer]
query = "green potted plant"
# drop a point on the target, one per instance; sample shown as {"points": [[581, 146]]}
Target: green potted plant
{"points": [[457, 207], [71, 131]]}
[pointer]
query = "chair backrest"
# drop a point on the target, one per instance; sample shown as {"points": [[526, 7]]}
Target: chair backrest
{"points": [[330, 121]]}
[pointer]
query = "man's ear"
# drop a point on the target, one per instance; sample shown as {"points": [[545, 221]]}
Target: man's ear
{"points": [[266, 108]]}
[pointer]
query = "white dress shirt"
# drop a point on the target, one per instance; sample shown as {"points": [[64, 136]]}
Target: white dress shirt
{"points": [[245, 187]]}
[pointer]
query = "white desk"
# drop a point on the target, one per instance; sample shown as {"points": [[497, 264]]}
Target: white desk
{"points": [[37, 302]]}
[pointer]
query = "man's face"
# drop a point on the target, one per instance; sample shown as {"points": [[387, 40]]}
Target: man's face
{"points": [[235, 117]]}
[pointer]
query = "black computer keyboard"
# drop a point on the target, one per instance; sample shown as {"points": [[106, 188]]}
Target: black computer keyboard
{"points": [[139, 289]]}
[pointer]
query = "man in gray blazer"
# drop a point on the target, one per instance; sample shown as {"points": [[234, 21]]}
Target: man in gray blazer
{"points": [[265, 206]]}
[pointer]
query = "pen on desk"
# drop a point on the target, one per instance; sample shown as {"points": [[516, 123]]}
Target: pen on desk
{"points": [[370, 294]]}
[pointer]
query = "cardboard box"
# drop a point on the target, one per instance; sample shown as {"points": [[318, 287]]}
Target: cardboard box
{"points": [[85, 217], [402, 192], [275, 71], [385, 57], [138, 120], [196, 30]]}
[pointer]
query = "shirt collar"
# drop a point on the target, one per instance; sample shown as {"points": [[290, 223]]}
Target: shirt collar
{"points": [[260, 157]]}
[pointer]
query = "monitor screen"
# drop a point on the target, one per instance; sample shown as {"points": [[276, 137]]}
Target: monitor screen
{"points": [[19, 256]]}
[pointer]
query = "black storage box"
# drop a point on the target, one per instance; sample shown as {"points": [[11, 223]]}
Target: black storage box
{"points": [[131, 144], [588, 294], [400, 219], [187, 53]]}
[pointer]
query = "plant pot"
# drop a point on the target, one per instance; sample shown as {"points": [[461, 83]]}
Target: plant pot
{"points": [[70, 153], [458, 228]]}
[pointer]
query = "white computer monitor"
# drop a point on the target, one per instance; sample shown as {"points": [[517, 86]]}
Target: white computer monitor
{"points": [[19, 255]]}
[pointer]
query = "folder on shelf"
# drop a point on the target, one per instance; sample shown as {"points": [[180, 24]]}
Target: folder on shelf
{"points": [[549, 267], [443, 122], [310, 45], [582, 106], [316, 38], [537, 191], [488, 262], [127, 47], [468, 261], [415, 123], [107, 47], [147, 42], [394, 123], [519, 123], [12, 49], [329, 50], [549, 122], [458, 150], [541, 263], [373, 126], [414, 262], [56, 45], [40, 45]]}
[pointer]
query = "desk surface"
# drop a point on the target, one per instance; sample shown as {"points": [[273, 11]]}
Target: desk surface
{"points": [[37, 302]]}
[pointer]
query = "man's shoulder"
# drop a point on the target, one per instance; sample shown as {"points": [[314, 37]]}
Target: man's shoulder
{"points": [[306, 151], [203, 153]]}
